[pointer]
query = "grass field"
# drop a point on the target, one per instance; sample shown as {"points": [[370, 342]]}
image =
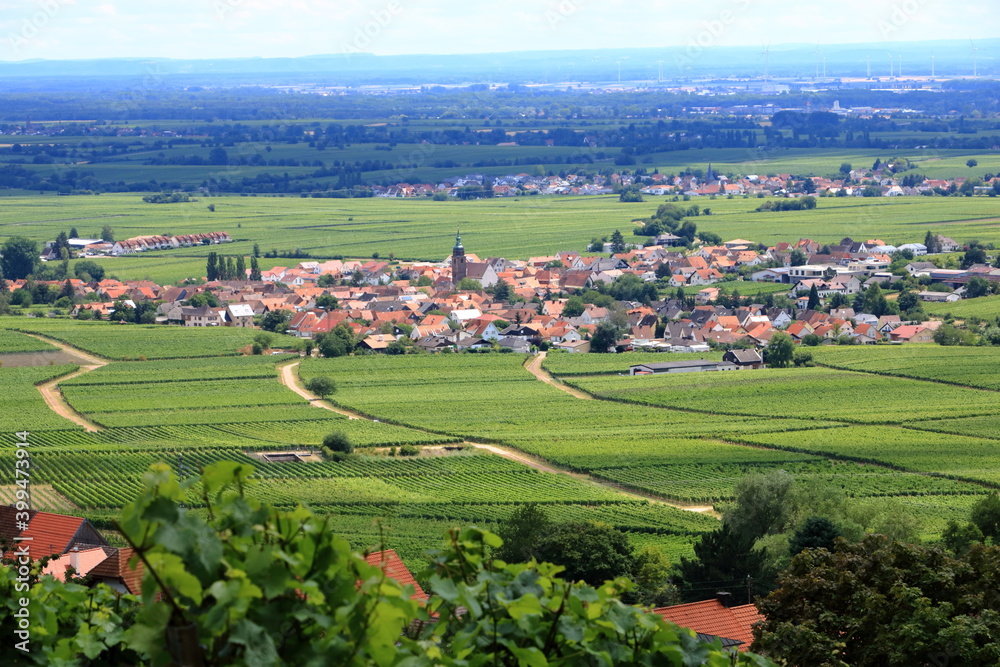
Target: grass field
{"points": [[424, 229]]}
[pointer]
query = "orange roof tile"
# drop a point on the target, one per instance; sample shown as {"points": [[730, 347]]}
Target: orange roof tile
{"points": [[396, 570], [711, 617]]}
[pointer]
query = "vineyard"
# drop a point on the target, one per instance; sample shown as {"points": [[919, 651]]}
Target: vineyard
{"points": [[905, 442], [11, 341], [22, 408], [137, 342], [806, 393], [972, 366]]}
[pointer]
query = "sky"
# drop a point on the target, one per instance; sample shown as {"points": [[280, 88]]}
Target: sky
{"points": [[184, 29]]}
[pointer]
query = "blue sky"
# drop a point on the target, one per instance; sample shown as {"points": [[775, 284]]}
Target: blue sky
{"points": [[69, 29]]}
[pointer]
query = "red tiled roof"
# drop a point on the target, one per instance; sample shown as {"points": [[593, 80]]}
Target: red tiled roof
{"points": [[710, 617], [396, 570], [116, 566], [51, 533]]}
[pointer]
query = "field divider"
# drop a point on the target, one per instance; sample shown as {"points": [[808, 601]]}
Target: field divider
{"points": [[290, 378]]}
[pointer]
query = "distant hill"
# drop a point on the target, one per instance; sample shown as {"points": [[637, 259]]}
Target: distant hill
{"points": [[952, 58]]}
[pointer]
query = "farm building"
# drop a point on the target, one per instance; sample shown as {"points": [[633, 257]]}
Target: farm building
{"points": [[690, 366], [744, 358]]}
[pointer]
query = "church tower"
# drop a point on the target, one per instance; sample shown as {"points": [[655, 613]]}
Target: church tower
{"points": [[458, 261]]}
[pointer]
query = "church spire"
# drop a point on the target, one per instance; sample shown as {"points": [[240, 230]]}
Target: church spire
{"points": [[458, 237]]}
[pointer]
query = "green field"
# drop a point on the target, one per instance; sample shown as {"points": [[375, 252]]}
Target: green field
{"points": [[985, 307], [12, 341], [972, 366], [143, 341], [803, 393], [917, 441], [424, 229]]}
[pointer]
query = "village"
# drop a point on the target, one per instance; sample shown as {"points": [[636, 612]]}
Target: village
{"points": [[661, 297]]}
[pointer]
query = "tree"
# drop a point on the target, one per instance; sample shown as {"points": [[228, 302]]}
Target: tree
{"points": [[521, 532], [875, 302], [338, 343], [834, 609], [709, 238], [275, 320], [218, 156], [976, 287], [19, 257], [469, 285], [779, 350], [256, 250], [321, 385], [762, 505], [501, 291], [986, 516], [574, 307], [959, 538], [212, 267], [605, 337], [723, 561], [107, 234], [338, 442], [798, 258], [255, 269], [931, 243], [590, 551], [948, 334], [816, 533], [845, 169], [908, 300], [88, 270], [617, 242], [971, 163], [327, 302], [814, 300], [241, 268], [73, 234], [974, 254]]}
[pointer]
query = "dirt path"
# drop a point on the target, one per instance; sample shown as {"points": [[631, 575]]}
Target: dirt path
{"points": [[534, 366], [50, 389], [291, 380]]}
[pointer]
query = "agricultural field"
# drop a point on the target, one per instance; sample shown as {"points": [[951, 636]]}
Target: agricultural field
{"points": [[693, 457], [803, 393], [984, 307], [11, 341], [22, 408], [423, 229], [972, 366], [136, 342]]}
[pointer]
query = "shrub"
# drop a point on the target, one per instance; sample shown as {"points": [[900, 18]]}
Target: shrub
{"points": [[408, 450], [337, 442]]}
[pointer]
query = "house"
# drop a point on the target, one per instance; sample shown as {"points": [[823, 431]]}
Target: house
{"points": [[202, 316], [750, 359], [912, 333], [711, 619], [690, 366], [919, 269], [575, 346], [239, 315]]}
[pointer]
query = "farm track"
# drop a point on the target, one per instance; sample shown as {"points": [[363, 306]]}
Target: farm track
{"points": [[291, 380], [50, 388], [534, 366]]}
